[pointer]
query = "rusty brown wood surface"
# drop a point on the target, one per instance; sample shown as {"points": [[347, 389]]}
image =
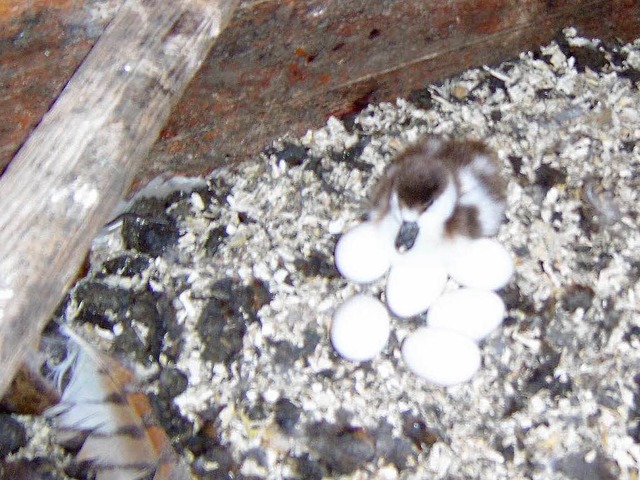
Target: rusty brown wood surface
{"points": [[65, 181], [41, 44], [285, 66]]}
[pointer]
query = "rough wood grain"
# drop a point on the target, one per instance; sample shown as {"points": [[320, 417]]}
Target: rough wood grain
{"points": [[66, 179]]}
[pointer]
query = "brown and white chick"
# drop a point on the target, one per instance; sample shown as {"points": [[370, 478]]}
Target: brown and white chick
{"points": [[440, 189]]}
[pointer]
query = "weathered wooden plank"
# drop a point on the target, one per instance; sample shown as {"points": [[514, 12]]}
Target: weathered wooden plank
{"points": [[41, 44], [65, 181]]}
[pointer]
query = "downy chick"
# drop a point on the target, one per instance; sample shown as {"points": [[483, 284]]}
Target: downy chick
{"points": [[441, 189]]}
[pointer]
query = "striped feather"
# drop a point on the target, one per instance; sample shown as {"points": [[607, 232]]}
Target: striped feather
{"points": [[122, 440]]}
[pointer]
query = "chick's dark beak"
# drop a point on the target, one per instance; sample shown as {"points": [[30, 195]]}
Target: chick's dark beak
{"points": [[407, 236]]}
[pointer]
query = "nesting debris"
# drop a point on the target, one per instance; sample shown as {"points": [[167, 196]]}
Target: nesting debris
{"points": [[12, 435], [558, 392]]}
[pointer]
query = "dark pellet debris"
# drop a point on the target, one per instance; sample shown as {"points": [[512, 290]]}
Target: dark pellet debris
{"points": [[418, 432], [618, 57], [506, 448], [629, 145], [589, 57], [632, 74], [543, 376], [292, 154], [221, 329], [632, 334], [577, 467], [257, 410], [352, 155], [515, 300], [512, 405], [206, 436], [149, 207], [544, 93], [508, 452], [395, 450], [316, 265], [180, 210], [148, 310], [341, 449], [261, 295], [259, 456], [172, 203], [285, 352], [548, 176], [287, 415], [214, 240], [223, 322], [151, 235], [516, 163], [585, 56], [311, 340], [216, 463], [38, 468], [125, 265], [309, 469], [577, 296], [169, 418], [495, 83], [421, 99], [172, 382], [12, 435], [609, 399], [101, 303], [349, 122]]}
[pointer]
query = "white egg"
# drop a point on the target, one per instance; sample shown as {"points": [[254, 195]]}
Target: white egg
{"points": [[471, 312], [443, 357], [414, 282], [360, 328], [483, 263], [362, 254]]}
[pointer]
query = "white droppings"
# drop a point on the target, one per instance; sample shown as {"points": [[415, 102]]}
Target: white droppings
{"points": [[196, 202], [86, 195], [78, 193], [271, 395]]}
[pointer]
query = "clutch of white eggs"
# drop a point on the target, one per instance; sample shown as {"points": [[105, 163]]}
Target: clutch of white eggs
{"points": [[445, 351]]}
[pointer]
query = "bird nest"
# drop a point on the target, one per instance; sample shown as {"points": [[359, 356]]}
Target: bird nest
{"points": [[222, 291]]}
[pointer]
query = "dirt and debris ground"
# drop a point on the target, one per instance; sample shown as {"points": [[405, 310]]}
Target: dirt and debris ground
{"points": [[221, 293]]}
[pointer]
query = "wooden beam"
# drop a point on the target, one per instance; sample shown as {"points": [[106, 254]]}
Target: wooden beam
{"points": [[65, 181]]}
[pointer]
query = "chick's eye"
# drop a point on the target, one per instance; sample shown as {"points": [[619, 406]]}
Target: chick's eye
{"points": [[426, 204]]}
